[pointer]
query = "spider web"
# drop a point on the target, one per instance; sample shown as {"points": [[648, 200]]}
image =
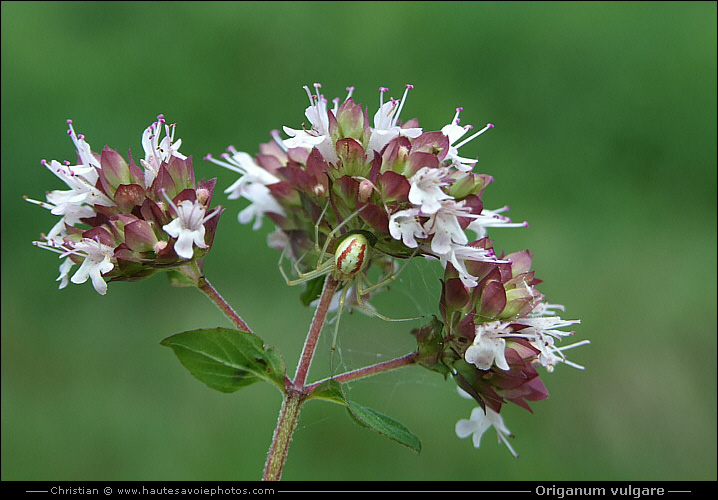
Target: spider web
{"points": [[364, 339]]}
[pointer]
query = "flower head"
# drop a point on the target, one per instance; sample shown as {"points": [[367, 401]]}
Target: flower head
{"points": [[122, 222], [343, 173], [494, 336]]}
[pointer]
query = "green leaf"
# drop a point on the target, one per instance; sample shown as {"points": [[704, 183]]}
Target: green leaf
{"points": [[227, 360], [384, 425], [330, 391]]}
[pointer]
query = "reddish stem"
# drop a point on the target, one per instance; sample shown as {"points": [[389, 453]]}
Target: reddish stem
{"points": [[367, 371], [310, 345], [205, 287], [296, 392]]}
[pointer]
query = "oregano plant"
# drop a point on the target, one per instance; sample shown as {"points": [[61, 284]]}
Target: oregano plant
{"points": [[353, 202]]}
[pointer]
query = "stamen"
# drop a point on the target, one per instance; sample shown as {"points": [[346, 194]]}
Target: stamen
{"points": [[456, 116], [49, 245], [163, 192], [36, 202], [309, 93], [278, 140], [571, 346], [487, 127], [381, 96], [401, 104]]}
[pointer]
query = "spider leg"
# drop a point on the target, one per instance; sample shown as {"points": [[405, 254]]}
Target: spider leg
{"points": [[361, 291], [316, 231], [388, 279], [324, 268], [340, 309]]}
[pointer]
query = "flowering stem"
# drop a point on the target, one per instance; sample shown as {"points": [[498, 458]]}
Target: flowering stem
{"points": [[205, 287], [296, 392], [310, 345], [367, 371]]}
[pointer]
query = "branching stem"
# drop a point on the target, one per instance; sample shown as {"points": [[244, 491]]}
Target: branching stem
{"points": [[367, 371]]}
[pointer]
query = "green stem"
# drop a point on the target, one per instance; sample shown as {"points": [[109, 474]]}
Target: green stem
{"points": [[296, 392], [288, 418]]}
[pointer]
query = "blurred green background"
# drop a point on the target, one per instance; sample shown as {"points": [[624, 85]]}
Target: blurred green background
{"points": [[605, 141]]}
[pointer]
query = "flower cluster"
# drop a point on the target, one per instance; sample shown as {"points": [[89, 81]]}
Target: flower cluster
{"points": [[493, 336], [125, 222], [407, 187], [413, 194]]}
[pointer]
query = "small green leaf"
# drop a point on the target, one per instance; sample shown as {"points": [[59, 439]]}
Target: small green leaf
{"points": [[384, 425], [179, 279], [331, 391], [312, 291], [227, 360]]}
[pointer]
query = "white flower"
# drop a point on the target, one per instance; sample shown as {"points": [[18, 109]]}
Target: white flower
{"points": [[444, 226], [488, 347], [81, 179], [99, 259], [262, 202], [278, 240], [65, 272], [404, 225], [188, 227], [541, 332], [479, 422], [491, 218], [157, 151], [455, 132], [318, 136], [84, 151], [252, 185], [426, 189], [56, 244], [385, 122], [76, 203], [71, 213], [458, 254], [252, 173]]}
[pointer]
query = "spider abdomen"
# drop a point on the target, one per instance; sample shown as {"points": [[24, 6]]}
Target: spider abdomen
{"points": [[351, 255]]}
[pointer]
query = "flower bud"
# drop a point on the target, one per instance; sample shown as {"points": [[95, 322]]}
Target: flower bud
{"points": [[366, 188]]}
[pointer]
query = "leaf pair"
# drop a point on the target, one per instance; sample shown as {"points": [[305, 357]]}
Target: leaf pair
{"points": [[227, 360]]}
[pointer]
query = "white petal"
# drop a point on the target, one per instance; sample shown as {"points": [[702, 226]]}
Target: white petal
{"points": [[183, 245], [464, 428]]}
